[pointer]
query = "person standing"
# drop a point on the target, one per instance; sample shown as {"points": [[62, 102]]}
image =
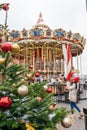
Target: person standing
{"points": [[72, 88]]}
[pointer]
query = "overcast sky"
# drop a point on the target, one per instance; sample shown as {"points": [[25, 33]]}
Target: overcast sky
{"points": [[65, 14]]}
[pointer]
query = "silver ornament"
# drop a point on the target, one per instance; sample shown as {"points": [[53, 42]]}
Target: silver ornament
{"points": [[67, 121], [23, 90]]}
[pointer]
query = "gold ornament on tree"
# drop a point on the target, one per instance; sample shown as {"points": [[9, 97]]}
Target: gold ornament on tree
{"points": [[29, 76], [15, 48], [39, 99], [29, 127], [67, 121], [51, 108], [2, 60]]}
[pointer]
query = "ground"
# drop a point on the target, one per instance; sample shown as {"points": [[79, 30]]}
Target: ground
{"points": [[79, 124]]}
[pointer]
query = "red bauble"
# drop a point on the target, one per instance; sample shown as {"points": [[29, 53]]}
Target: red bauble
{"points": [[5, 102], [6, 46], [31, 66], [33, 79], [76, 79], [49, 90], [39, 99], [5, 7], [37, 74]]}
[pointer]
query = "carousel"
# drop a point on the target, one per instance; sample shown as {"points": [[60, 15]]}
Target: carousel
{"points": [[41, 47]]}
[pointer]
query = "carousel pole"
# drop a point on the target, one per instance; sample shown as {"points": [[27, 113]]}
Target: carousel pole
{"points": [[81, 65], [77, 63], [61, 63], [27, 55], [33, 53], [54, 60], [47, 64], [37, 58], [49, 57], [42, 55]]}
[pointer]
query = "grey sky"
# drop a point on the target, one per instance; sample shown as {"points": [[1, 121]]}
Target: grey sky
{"points": [[65, 14]]}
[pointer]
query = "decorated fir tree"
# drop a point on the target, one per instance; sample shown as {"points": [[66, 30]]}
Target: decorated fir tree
{"points": [[22, 102]]}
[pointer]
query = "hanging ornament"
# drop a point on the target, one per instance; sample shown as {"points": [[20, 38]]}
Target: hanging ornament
{"points": [[5, 7], [39, 99], [29, 127], [49, 90], [45, 87], [2, 60], [6, 46], [33, 79], [5, 102], [51, 108], [23, 90], [31, 66], [67, 121], [29, 76], [37, 74], [15, 48]]}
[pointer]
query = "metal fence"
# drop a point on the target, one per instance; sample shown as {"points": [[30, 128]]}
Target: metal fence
{"points": [[61, 95]]}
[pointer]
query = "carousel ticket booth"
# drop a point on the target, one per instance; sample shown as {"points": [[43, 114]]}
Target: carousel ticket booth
{"points": [[41, 47]]}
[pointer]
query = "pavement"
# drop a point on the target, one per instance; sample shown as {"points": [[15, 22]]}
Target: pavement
{"points": [[79, 124]]}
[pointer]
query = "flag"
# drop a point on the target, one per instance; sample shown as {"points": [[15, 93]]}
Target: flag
{"points": [[67, 61]]}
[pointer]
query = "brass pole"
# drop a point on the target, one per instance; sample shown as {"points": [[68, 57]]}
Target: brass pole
{"points": [[77, 62]]}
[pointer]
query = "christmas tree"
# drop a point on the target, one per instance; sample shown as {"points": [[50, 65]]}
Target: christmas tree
{"points": [[21, 102], [24, 103]]}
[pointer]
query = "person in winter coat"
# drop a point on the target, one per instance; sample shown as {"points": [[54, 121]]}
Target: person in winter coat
{"points": [[73, 97]]}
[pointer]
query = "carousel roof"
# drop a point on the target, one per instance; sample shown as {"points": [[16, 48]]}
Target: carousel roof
{"points": [[40, 34]]}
